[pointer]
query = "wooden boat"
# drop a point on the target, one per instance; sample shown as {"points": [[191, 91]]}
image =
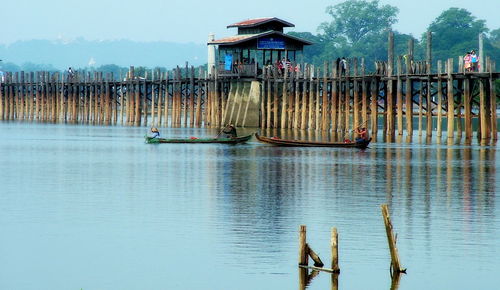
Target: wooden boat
{"points": [[283, 142], [193, 140]]}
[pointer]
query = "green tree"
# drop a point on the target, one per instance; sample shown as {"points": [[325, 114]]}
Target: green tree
{"points": [[354, 20], [495, 37], [455, 32]]}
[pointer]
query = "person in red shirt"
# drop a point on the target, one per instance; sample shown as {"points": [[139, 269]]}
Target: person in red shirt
{"points": [[362, 134]]}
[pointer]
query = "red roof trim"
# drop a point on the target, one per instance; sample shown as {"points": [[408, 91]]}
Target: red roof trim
{"points": [[259, 21]]}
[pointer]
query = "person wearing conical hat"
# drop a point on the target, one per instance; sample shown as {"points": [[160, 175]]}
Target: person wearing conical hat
{"points": [[228, 132], [156, 133]]}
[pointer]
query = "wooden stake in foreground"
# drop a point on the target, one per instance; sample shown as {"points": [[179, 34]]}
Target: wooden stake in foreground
{"points": [[395, 263]]}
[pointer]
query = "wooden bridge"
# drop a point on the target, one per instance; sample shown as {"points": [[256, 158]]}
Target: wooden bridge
{"points": [[399, 97]]}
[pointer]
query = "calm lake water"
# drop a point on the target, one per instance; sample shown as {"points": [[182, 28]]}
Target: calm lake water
{"points": [[87, 207]]}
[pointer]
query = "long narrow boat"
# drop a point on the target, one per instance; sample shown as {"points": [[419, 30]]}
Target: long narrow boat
{"points": [[283, 142], [192, 140]]}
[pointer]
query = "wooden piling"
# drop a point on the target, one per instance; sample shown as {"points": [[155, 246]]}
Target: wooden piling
{"points": [[390, 93], [451, 102], [334, 243], [399, 97], [395, 262], [440, 100], [428, 103], [303, 259], [335, 97], [493, 101], [325, 106], [355, 104]]}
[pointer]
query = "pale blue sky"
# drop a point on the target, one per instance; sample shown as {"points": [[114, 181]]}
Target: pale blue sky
{"points": [[193, 20]]}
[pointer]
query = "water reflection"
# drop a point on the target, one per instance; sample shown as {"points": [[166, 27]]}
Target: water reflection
{"points": [[235, 209]]}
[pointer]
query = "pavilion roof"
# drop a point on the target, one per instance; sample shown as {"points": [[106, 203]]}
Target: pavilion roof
{"points": [[238, 39], [259, 21]]}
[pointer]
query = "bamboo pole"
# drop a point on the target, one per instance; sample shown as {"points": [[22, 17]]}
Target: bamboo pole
{"points": [[355, 104]]}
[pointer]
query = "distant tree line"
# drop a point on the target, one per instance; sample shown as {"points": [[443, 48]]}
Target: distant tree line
{"points": [[360, 28]]}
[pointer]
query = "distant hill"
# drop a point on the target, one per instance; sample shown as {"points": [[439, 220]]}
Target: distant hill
{"points": [[82, 53]]}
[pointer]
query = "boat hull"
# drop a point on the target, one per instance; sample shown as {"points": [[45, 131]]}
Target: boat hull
{"points": [[302, 143], [236, 140]]}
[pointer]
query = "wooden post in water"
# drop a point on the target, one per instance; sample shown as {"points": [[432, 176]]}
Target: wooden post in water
{"points": [[390, 93], [395, 262], [314, 257], [440, 100], [374, 108], [199, 99], [399, 96], [364, 95], [284, 100], [493, 101], [325, 106], [2, 87], [130, 96], [317, 117], [303, 259], [166, 100], [269, 99], [153, 99], [334, 244], [428, 112], [420, 108], [483, 115], [451, 103], [335, 97], [191, 97], [296, 114], [355, 95]]}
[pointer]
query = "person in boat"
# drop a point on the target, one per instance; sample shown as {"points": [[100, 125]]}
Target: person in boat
{"points": [[362, 134], [155, 133], [228, 132]]}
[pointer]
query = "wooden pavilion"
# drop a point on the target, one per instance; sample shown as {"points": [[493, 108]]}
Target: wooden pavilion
{"points": [[259, 42]]}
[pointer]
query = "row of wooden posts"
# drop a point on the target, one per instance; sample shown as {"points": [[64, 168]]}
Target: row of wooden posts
{"points": [[329, 100], [306, 252], [333, 99], [165, 99]]}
